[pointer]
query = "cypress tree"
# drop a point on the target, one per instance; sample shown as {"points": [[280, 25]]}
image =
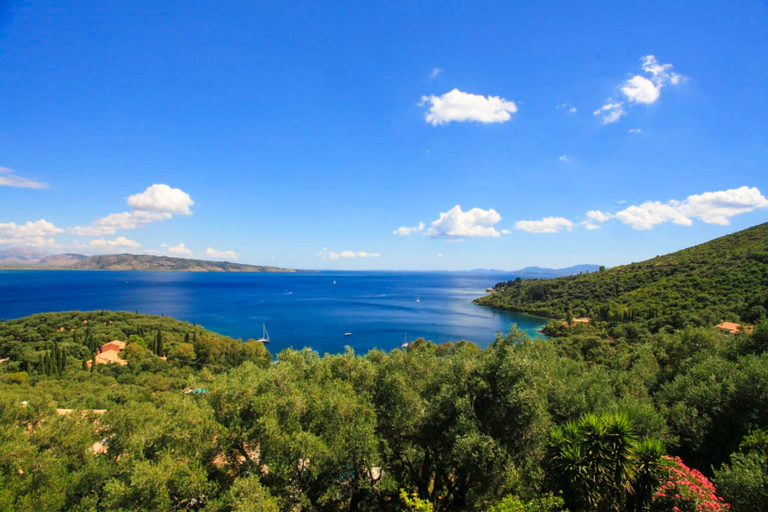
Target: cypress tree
{"points": [[159, 344]]}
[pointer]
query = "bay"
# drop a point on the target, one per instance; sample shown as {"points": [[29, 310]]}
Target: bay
{"points": [[379, 309]]}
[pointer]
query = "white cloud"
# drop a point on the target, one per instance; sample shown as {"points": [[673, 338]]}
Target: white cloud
{"points": [[435, 72], [709, 207], [651, 213], [120, 241], [461, 106], [545, 225], [162, 198], [634, 130], [156, 203], [439, 255], [505, 232], [718, 207], [599, 216], [564, 158], [589, 225], [9, 178], [215, 253], [344, 255], [610, 112], [177, 249], [37, 233], [568, 107], [458, 224], [662, 73], [405, 230], [639, 89]]}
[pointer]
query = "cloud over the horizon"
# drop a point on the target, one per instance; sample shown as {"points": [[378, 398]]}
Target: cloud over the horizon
{"points": [[158, 202], [215, 253], [639, 89], [545, 225], [457, 224], [120, 241], [177, 249], [405, 230], [710, 207], [346, 255], [462, 106], [37, 233], [9, 178]]}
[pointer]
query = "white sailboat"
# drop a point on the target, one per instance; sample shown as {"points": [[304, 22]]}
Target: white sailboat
{"points": [[418, 300], [264, 334]]}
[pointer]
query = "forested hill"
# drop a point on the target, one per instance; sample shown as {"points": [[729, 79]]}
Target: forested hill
{"points": [[724, 279], [146, 262]]}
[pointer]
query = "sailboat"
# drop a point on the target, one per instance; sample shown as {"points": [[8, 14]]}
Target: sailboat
{"points": [[334, 282], [264, 334], [418, 300]]}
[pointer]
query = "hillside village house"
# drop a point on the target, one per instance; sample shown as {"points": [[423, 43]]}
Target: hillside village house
{"points": [[110, 354], [734, 328]]}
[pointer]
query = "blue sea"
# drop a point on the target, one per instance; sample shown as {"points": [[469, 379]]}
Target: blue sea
{"points": [[379, 309]]}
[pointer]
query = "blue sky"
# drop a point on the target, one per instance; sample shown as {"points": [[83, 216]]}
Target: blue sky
{"points": [[307, 135]]}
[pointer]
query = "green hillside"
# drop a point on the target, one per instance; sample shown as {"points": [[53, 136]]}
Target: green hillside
{"points": [[724, 279]]}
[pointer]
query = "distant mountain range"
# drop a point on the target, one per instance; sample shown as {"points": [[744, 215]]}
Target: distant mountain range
{"points": [[555, 272], [30, 258]]}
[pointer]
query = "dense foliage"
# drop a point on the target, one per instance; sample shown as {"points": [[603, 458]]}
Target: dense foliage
{"points": [[725, 279], [575, 423]]}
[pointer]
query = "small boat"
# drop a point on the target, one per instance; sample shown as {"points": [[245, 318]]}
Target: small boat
{"points": [[334, 282], [347, 334], [418, 300], [264, 335], [405, 340]]}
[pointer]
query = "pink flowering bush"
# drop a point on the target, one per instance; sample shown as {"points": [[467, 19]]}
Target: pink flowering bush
{"points": [[685, 490]]}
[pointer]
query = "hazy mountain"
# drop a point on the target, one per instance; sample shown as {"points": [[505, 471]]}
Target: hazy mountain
{"points": [[18, 257], [146, 262], [555, 272]]}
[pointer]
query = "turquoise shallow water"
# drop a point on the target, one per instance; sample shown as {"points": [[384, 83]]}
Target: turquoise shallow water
{"points": [[302, 309]]}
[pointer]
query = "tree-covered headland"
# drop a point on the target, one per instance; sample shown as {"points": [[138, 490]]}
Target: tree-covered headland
{"points": [[625, 413]]}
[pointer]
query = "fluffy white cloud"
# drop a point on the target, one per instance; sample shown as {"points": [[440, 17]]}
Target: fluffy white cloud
{"points": [[505, 232], [111, 223], [156, 203], [162, 198], [639, 89], [568, 107], [9, 178], [439, 255], [718, 207], [120, 241], [345, 255], [710, 207], [599, 216], [545, 225], [228, 255], [651, 213], [458, 224], [435, 72], [662, 73], [462, 106], [37, 233], [634, 130], [405, 230], [177, 249], [610, 112], [564, 158]]}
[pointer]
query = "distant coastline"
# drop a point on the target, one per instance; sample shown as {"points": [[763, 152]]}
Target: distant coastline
{"points": [[128, 262]]}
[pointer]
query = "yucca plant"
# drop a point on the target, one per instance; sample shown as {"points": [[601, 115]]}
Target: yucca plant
{"points": [[600, 465]]}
